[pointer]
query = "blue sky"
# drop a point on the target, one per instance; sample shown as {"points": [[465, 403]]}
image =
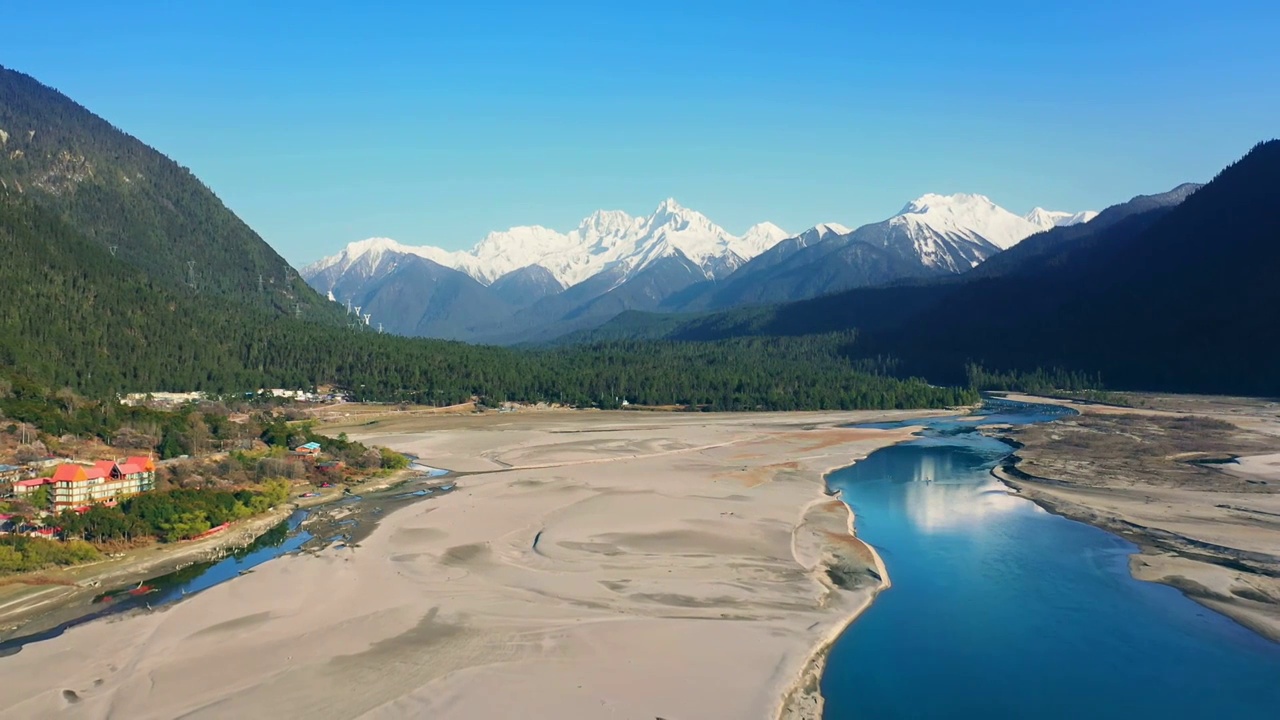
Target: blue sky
{"points": [[323, 123]]}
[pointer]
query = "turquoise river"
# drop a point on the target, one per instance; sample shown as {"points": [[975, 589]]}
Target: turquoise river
{"points": [[999, 609]]}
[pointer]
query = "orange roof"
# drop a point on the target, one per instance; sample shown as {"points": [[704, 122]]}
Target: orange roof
{"points": [[34, 482], [79, 473], [70, 472], [146, 463], [105, 467], [130, 469]]}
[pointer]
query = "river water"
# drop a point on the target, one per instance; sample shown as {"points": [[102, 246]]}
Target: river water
{"points": [[291, 535], [1001, 610]]}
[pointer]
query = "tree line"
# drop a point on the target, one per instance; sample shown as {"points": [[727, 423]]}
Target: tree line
{"points": [[170, 516], [78, 318]]}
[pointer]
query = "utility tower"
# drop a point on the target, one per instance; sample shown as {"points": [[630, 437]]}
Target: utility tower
{"points": [[191, 273]]}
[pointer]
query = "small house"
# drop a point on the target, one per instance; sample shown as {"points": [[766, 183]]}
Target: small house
{"points": [[13, 473], [22, 488], [311, 448]]}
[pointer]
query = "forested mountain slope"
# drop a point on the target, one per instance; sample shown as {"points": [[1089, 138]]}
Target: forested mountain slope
{"points": [[78, 318], [119, 193], [1168, 292]]}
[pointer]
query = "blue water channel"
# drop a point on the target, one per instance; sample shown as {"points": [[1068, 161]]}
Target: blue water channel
{"points": [[153, 593], [999, 609], [162, 590]]}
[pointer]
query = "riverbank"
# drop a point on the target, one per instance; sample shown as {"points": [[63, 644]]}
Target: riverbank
{"points": [[1163, 476], [30, 600], [852, 565], [592, 563]]}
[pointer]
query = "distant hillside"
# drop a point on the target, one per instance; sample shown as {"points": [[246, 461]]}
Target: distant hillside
{"points": [[96, 231], [77, 318], [125, 197], [1179, 299], [1167, 292]]}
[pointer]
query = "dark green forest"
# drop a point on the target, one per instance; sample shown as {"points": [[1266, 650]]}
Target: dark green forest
{"points": [[96, 233], [79, 318], [1182, 299], [119, 193]]}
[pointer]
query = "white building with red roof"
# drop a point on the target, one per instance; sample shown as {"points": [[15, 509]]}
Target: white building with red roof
{"points": [[105, 482]]}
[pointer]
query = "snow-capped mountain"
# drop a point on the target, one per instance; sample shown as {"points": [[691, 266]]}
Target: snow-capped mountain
{"points": [[607, 240], [1048, 219], [953, 233], [932, 235], [531, 283]]}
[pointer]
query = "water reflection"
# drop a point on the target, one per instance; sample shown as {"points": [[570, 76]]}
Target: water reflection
{"points": [[986, 585], [944, 506]]}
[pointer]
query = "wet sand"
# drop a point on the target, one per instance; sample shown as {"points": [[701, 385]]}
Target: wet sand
{"points": [[587, 565]]}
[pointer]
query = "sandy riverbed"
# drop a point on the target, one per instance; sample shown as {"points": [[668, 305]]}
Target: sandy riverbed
{"points": [[33, 602], [615, 565]]}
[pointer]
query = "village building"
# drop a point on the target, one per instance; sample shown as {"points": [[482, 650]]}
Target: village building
{"points": [[45, 463], [13, 473], [23, 488], [311, 448], [104, 482], [162, 399]]}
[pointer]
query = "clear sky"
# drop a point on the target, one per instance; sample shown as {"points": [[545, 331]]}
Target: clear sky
{"points": [[321, 123]]}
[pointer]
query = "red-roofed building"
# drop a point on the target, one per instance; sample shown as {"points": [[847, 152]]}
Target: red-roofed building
{"points": [[106, 481], [25, 487], [147, 464]]}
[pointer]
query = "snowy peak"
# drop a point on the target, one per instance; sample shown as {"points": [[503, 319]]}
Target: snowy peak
{"points": [[370, 258], [829, 229], [760, 237], [820, 232], [974, 217], [949, 204], [949, 233], [604, 240], [967, 215], [605, 222], [1049, 219]]}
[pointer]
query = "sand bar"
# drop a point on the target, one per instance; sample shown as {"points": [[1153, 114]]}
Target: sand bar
{"points": [[1163, 476], [623, 565]]}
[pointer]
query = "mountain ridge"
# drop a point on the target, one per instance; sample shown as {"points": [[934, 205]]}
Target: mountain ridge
{"points": [[1165, 292], [695, 263], [601, 241]]}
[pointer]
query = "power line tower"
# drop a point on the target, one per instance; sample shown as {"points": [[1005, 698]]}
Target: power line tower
{"points": [[191, 273], [379, 328], [297, 310], [113, 250], [259, 283]]}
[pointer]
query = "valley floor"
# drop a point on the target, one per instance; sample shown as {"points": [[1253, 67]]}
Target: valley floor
{"points": [[588, 565], [1155, 475]]}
